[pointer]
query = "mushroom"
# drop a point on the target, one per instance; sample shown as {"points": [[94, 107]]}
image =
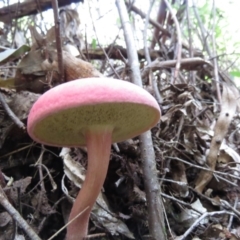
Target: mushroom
{"points": [[92, 112]]}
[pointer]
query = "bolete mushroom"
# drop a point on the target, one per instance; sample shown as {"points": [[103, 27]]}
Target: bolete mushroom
{"points": [[92, 112]]}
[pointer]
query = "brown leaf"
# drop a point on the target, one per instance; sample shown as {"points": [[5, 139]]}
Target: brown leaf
{"points": [[21, 184], [229, 104]]}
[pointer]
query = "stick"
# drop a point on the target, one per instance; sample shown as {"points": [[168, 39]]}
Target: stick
{"points": [[17, 217], [154, 201]]}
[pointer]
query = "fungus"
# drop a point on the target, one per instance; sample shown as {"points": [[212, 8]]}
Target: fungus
{"points": [[92, 112]]}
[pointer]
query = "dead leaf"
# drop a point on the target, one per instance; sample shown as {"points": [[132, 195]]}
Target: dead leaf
{"points": [[189, 216], [20, 186], [12, 54], [228, 110], [5, 218]]}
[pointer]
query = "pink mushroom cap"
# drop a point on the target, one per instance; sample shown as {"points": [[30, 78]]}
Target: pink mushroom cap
{"points": [[61, 116]]}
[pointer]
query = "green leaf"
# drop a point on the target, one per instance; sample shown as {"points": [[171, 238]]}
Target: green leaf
{"points": [[11, 54], [218, 31], [235, 74], [94, 43]]}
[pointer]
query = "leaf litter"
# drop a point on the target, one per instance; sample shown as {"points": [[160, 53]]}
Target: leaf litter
{"points": [[196, 145]]}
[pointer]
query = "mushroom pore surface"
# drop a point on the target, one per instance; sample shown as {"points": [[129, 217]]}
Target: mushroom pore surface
{"points": [[61, 116]]}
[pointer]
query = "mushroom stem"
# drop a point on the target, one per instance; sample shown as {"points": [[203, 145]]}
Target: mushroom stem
{"points": [[99, 140]]}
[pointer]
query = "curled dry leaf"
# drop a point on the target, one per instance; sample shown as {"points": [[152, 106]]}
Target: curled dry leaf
{"points": [[12, 54], [227, 154], [33, 69], [70, 28], [73, 170], [228, 162], [228, 109]]}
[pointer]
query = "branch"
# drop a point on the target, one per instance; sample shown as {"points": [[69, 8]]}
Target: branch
{"points": [[192, 77], [153, 22], [28, 8], [58, 40], [152, 81], [154, 202], [179, 42], [214, 53]]}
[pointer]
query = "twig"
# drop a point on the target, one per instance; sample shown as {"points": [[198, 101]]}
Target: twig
{"points": [[208, 169], [186, 63], [42, 192], [228, 206], [183, 184], [231, 217], [192, 78], [181, 202], [147, 55], [10, 67], [203, 168], [153, 22], [154, 202], [94, 236], [54, 185], [224, 204], [110, 50], [179, 42], [94, 28], [206, 45], [167, 222], [225, 180], [215, 63], [202, 28], [161, 19], [55, 234], [131, 49], [58, 40], [17, 217], [16, 151], [11, 114], [207, 214], [52, 211]]}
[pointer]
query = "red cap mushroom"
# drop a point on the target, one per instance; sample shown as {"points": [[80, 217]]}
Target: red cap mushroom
{"points": [[92, 112]]}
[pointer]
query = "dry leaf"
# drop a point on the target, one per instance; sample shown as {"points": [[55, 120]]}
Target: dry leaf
{"points": [[228, 110]]}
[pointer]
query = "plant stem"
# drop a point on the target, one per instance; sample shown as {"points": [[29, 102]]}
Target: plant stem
{"points": [[99, 140]]}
